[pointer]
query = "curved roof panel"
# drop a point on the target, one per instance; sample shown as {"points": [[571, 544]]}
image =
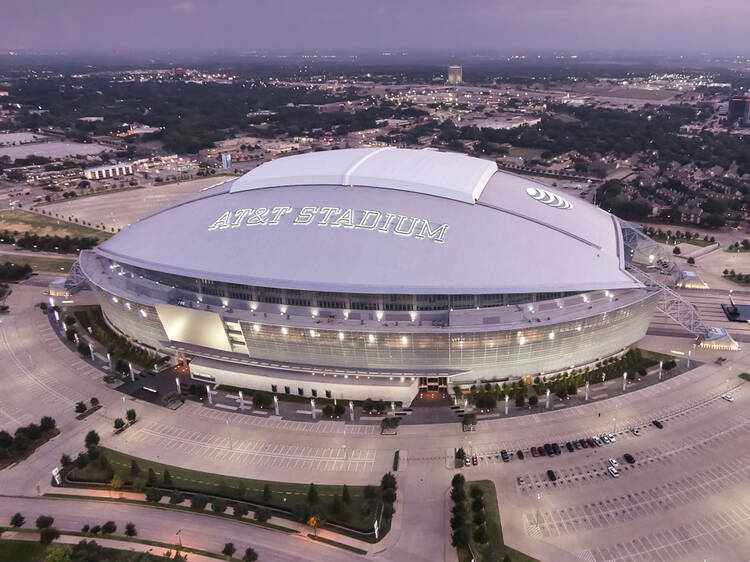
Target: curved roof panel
{"points": [[517, 237]]}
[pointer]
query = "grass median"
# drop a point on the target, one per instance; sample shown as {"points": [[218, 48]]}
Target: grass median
{"points": [[291, 500]]}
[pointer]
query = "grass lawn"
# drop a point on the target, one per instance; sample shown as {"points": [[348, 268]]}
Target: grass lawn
{"points": [[700, 242], [284, 496], [745, 376], [21, 221], [13, 551], [33, 551], [39, 263], [495, 549]]}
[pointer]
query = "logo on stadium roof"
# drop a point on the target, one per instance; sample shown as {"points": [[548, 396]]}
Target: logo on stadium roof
{"points": [[548, 198]]}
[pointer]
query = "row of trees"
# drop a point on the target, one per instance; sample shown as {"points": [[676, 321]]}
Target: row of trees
{"points": [[460, 523], [562, 385], [25, 439], [47, 243], [12, 272]]}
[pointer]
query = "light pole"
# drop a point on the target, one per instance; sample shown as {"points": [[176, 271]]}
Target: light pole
{"points": [[179, 537]]}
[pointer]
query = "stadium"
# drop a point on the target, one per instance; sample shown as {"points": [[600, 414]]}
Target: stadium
{"points": [[375, 272]]}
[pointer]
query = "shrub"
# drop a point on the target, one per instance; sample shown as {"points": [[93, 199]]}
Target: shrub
{"points": [[130, 414], [80, 408], [176, 498], [81, 461], [92, 439], [198, 501], [95, 529], [17, 520], [533, 400], [228, 549], [153, 496], [48, 534], [262, 514], [130, 530], [240, 509], [109, 527], [250, 555], [218, 506], [119, 423], [94, 402]]}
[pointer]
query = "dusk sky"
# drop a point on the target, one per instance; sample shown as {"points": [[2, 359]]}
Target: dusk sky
{"points": [[355, 25]]}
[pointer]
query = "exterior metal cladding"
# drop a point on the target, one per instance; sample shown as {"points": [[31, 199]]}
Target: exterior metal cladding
{"points": [[392, 268]]}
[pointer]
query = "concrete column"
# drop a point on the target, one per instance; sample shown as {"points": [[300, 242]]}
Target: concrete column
{"points": [[688, 362], [624, 380], [351, 410], [393, 407], [466, 403], [276, 404], [547, 399], [75, 339], [208, 394], [91, 350], [57, 317], [312, 407], [587, 391], [177, 384], [109, 361], [132, 374], [242, 401], [604, 376], [506, 404], [661, 364]]}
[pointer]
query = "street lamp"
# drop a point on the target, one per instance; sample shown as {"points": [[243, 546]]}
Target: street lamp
{"points": [[179, 537]]}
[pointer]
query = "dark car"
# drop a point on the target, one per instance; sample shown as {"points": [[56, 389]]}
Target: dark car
{"points": [[584, 443], [629, 458], [556, 448], [658, 424], [534, 452], [570, 446], [591, 443], [542, 450], [504, 455], [519, 454], [548, 449], [577, 444], [551, 475]]}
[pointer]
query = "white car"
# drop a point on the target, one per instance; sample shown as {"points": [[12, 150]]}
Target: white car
{"points": [[597, 440], [611, 437], [613, 463], [728, 397], [613, 472], [605, 438]]}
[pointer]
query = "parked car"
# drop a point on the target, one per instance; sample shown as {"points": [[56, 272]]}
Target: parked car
{"points": [[521, 481], [728, 397], [604, 439], [519, 454], [551, 475], [556, 448], [542, 451], [569, 446], [658, 424], [474, 460], [584, 443], [629, 458], [534, 452], [577, 444], [591, 443], [612, 437], [614, 463], [548, 449], [597, 441], [504, 455], [613, 472], [467, 461]]}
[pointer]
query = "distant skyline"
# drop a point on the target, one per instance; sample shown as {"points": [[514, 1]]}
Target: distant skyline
{"points": [[669, 26]]}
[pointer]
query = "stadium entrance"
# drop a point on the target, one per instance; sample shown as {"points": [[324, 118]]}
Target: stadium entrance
{"points": [[437, 385]]}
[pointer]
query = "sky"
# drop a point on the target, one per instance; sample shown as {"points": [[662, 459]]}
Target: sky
{"points": [[502, 26]]}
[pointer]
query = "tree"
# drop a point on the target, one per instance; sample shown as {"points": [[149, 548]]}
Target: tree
{"points": [[48, 534], [250, 555], [676, 251], [47, 424], [480, 534], [92, 439], [460, 453], [81, 461], [262, 514], [336, 504], [44, 521], [135, 470], [228, 549], [533, 400], [167, 480], [312, 495], [389, 495], [119, 423], [151, 476], [130, 529], [109, 528], [17, 520], [345, 496], [388, 482], [85, 528], [266, 493], [130, 414], [691, 260], [65, 460], [94, 402], [6, 440], [458, 480], [80, 408]]}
